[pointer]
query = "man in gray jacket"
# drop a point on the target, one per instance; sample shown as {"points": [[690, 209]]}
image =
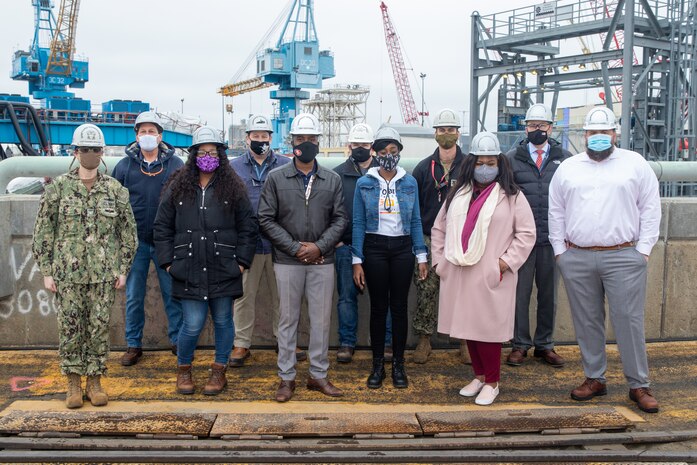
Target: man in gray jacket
{"points": [[301, 211]]}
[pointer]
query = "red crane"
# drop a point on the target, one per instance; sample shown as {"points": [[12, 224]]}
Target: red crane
{"points": [[399, 70]]}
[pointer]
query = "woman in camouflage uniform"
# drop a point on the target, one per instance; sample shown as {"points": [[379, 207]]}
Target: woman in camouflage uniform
{"points": [[84, 243]]}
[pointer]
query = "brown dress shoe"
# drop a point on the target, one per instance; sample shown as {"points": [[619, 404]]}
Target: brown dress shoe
{"points": [[217, 380], [131, 356], [300, 355], [324, 386], [644, 399], [285, 391], [589, 389], [344, 354], [185, 382], [550, 357], [238, 356], [516, 357]]}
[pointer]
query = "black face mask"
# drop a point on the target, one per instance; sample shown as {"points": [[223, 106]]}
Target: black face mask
{"points": [[360, 154], [260, 148], [537, 137], [306, 152]]}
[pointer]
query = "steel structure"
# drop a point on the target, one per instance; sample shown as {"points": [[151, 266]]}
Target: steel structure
{"points": [[294, 64], [518, 54], [338, 109], [406, 99]]}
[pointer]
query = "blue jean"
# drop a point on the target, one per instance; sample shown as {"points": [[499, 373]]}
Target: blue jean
{"points": [[135, 297], [195, 315], [347, 304]]}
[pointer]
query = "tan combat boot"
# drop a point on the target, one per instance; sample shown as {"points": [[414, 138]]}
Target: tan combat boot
{"points": [[217, 381], [73, 398], [95, 393], [464, 353], [423, 349]]}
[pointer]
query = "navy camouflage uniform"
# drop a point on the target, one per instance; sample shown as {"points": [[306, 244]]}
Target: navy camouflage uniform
{"points": [[84, 240]]}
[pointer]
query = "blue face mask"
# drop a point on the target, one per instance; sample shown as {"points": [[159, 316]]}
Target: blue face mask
{"points": [[599, 142]]}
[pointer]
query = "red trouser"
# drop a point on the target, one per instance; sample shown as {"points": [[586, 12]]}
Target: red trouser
{"points": [[486, 359]]}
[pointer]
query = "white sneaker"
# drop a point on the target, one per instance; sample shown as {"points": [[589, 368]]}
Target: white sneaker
{"points": [[487, 396], [472, 389]]}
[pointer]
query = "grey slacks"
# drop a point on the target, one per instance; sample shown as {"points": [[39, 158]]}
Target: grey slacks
{"points": [[620, 275], [316, 282]]}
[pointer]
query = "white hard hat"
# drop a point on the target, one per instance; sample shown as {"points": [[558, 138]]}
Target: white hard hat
{"points": [[485, 143], [600, 118], [388, 133], [88, 135], [361, 133], [305, 123], [206, 135], [148, 117], [259, 123], [446, 118], [539, 112]]}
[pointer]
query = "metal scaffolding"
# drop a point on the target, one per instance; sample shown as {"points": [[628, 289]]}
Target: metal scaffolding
{"points": [[645, 60], [338, 109]]}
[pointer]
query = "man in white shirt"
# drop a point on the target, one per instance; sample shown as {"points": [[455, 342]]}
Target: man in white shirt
{"points": [[604, 218]]}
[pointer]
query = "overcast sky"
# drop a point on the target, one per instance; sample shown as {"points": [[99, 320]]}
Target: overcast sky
{"points": [[161, 51]]}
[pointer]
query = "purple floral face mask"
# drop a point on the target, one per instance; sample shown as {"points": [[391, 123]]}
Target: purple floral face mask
{"points": [[207, 163]]}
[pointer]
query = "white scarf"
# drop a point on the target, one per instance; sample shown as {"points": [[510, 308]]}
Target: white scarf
{"points": [[457, 214]]}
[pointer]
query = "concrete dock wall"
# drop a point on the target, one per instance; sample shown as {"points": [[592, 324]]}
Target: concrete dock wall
{"points": [[28, 311]]}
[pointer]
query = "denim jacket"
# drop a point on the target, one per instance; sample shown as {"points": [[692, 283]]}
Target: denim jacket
{"points": [[366, 216]]}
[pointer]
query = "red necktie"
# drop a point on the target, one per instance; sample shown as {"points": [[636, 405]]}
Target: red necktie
{"points": [[538, 162]]}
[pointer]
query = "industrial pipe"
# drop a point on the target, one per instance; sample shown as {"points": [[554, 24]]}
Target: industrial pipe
{"points": [[26, 145], [18, 166]]}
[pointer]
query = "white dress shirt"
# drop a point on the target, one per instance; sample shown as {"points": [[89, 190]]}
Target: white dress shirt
{"points": [[533, 152], [604, 203]]}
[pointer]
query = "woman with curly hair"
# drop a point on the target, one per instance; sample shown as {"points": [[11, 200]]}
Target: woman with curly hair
{"points": [[205, 236]]}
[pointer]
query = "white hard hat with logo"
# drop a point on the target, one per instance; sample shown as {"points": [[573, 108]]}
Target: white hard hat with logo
{"points": [[601, 119], [485, 143], [361, 133], [446, 118], [305, 124], [148, 117], [88, 135], [259, 123], [206, 135], [539, 112]]}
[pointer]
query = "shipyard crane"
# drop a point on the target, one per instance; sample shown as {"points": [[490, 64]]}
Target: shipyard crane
{"points": [[294, 64], [406, 100], [49, 65]]}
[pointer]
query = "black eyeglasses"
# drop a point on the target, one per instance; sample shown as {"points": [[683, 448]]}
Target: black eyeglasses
{"points": [[90, 149], [203, 153], [535, 126]]}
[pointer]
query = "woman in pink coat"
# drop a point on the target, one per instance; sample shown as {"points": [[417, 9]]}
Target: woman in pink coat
{"points": [[483, 233]]}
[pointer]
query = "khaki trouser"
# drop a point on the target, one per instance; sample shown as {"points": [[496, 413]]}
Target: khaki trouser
{"points": [[245, 306]]}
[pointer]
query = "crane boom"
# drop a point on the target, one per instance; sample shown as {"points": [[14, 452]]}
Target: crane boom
{"points": [[399, 70], [242, 87], [60, 60]]}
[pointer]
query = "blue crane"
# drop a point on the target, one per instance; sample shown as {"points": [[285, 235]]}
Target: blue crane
{"points": [[294, 64]]}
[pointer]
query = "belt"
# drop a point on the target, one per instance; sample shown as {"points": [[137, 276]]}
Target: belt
{"points": [[598, 248]]}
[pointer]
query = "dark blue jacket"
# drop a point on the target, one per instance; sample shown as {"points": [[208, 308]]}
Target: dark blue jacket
{"points": [[145, 190], [243, 166]]}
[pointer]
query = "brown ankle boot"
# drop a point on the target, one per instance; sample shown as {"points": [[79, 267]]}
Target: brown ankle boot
{"points": [[73, 398], [423, 349], [95, 393], [185, 382], [217, 381]]}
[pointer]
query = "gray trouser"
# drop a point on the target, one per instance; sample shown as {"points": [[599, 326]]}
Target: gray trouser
{"points": [[244, 314], [540, 268], [622, 275], [316, 282]]}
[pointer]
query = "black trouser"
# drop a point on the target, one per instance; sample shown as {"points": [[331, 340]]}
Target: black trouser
{"points": [[388, 266], [540, 267]]}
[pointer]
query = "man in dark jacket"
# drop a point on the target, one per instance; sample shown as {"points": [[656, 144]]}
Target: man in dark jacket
{"points": [[253, 168], [301, 212], [534, 163], [356, 165], [148, 163], [434, 176]]}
